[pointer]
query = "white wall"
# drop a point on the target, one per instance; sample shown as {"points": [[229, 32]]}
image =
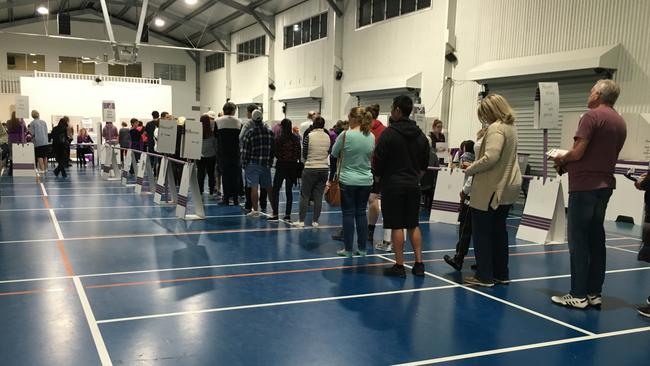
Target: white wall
{"points": [[310, 64], [408, 44], [502, 29], [57, 97], [214, 84], [250, 78], [183, 93]]}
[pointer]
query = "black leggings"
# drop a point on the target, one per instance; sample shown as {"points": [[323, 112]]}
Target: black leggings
{"points": [[207, 165], [283, 173]]}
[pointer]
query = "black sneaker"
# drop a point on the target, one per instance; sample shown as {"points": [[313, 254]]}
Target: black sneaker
{"points": [[273, 218], [473, 280], [418, 269], [395, 271], [287, 218], [455, 262], [644, 311]]}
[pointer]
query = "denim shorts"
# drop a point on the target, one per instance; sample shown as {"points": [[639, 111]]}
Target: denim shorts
{"points": [[258, 175]]}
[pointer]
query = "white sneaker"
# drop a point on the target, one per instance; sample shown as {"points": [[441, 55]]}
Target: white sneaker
{"points": [[570, 301], [253, 213], [315, 225], [385, 246], [298, 224], [595, 300]]}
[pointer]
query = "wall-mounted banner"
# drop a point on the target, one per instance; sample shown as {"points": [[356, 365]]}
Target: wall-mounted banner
{"points": [[547, 106], [193, 140], [108, 111], [22, 106], [419, 116]]}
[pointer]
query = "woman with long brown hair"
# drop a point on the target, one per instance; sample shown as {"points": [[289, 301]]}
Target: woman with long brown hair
{"points": [[354, 149], [208, 160]]}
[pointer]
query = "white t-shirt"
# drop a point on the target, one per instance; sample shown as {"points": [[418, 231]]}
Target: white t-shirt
{"points": [[304, 126]]}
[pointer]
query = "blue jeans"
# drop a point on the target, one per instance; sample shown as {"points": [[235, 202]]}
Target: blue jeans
{"points": [[491, 243], [354, 200], [587, 240]]}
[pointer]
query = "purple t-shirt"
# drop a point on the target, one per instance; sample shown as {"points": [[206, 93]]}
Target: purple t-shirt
{"points": [[606, 131]]}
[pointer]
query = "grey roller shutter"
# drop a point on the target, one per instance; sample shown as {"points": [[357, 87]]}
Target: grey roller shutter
{"points": [[520, 94], [243, 108], [297, 109], [384, 99]]}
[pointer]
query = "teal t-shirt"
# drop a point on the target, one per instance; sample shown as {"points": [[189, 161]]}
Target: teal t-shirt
{"points": [[356, 170]]}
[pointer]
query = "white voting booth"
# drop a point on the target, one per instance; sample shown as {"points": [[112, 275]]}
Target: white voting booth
{"points": [[626, 200], [544, 219], [110, 169], [166, 145], [446, 198], [191, 150], [128, 165], [145, 171], [22, 158]]}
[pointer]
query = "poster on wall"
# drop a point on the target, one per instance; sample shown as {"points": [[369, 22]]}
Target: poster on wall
{"points": [[419, 116], [193, 140], [87, 123], [22, 106], [108, 111], [547, 106], [166, 137]]}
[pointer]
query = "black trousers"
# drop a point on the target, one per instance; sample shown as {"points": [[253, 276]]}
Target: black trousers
{"points": [[230, 180], [464, 230], [207, 166], [62, 161], [491, 243], [287, 173]]}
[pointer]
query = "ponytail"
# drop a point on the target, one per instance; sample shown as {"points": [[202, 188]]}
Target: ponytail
{"points": [[361, 117]]}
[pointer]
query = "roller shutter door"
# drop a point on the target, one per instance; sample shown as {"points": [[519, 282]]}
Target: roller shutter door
{"points": [[384, 99], [243, 108], [573, 98], [297, 109]]}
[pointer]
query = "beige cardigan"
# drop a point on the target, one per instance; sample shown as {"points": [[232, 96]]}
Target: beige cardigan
{"points": [[497, 178]]}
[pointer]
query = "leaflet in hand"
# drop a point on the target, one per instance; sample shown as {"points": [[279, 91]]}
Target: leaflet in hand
{"points": [[553, 153]]}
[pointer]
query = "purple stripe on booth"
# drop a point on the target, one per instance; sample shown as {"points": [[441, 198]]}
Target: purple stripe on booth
{"points": [[23, 166], [447, 204], [139, 181], [182, 200], [536, 222], [631, 162]]}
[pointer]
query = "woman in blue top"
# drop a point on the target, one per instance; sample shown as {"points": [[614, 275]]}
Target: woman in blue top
{"points": [[354, 149]]}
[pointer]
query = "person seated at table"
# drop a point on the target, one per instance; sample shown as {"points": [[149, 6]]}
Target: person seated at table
{"points": [[82, 150]]}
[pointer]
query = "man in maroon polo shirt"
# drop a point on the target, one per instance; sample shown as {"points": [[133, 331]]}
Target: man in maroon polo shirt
{"points": [[591, 163]]}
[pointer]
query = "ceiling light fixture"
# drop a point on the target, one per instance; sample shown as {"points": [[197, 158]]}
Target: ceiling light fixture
{"points": [[42, 10], [159, 22], [34, 62], [191, 2], [32, 54]]}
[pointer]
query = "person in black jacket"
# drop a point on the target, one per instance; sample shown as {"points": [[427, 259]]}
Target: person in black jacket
{"points": [[60, 146], [401, 157], [228, 154]]}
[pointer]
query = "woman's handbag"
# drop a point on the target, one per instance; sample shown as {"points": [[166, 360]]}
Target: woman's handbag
{"points": [[333, 188]]}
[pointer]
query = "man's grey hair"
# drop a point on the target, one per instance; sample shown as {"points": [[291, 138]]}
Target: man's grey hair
{"points": [[35, 114], [608, 90]]}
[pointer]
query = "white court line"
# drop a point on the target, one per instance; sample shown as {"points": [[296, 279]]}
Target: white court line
{"points": [[526, 347], [57, 227], [43, 190], [623, 249], [92, 323], [505, 302], [272, 304], [176, 218]]}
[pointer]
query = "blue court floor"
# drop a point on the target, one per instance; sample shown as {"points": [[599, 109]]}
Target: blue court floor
{"points": [[92, 273]]}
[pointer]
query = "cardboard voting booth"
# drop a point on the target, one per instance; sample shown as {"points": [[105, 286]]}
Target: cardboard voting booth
{"points": [[189, 184], [145, 171], [166, 184], [22, 158], [110, 169], [446, 198], [128, 165], [167, 131], [626, 200], [544, 218], [192, 140]]}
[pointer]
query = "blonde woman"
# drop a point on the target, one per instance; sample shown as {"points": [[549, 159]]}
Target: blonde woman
{"points": [[354, 149], [495, 188]]}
